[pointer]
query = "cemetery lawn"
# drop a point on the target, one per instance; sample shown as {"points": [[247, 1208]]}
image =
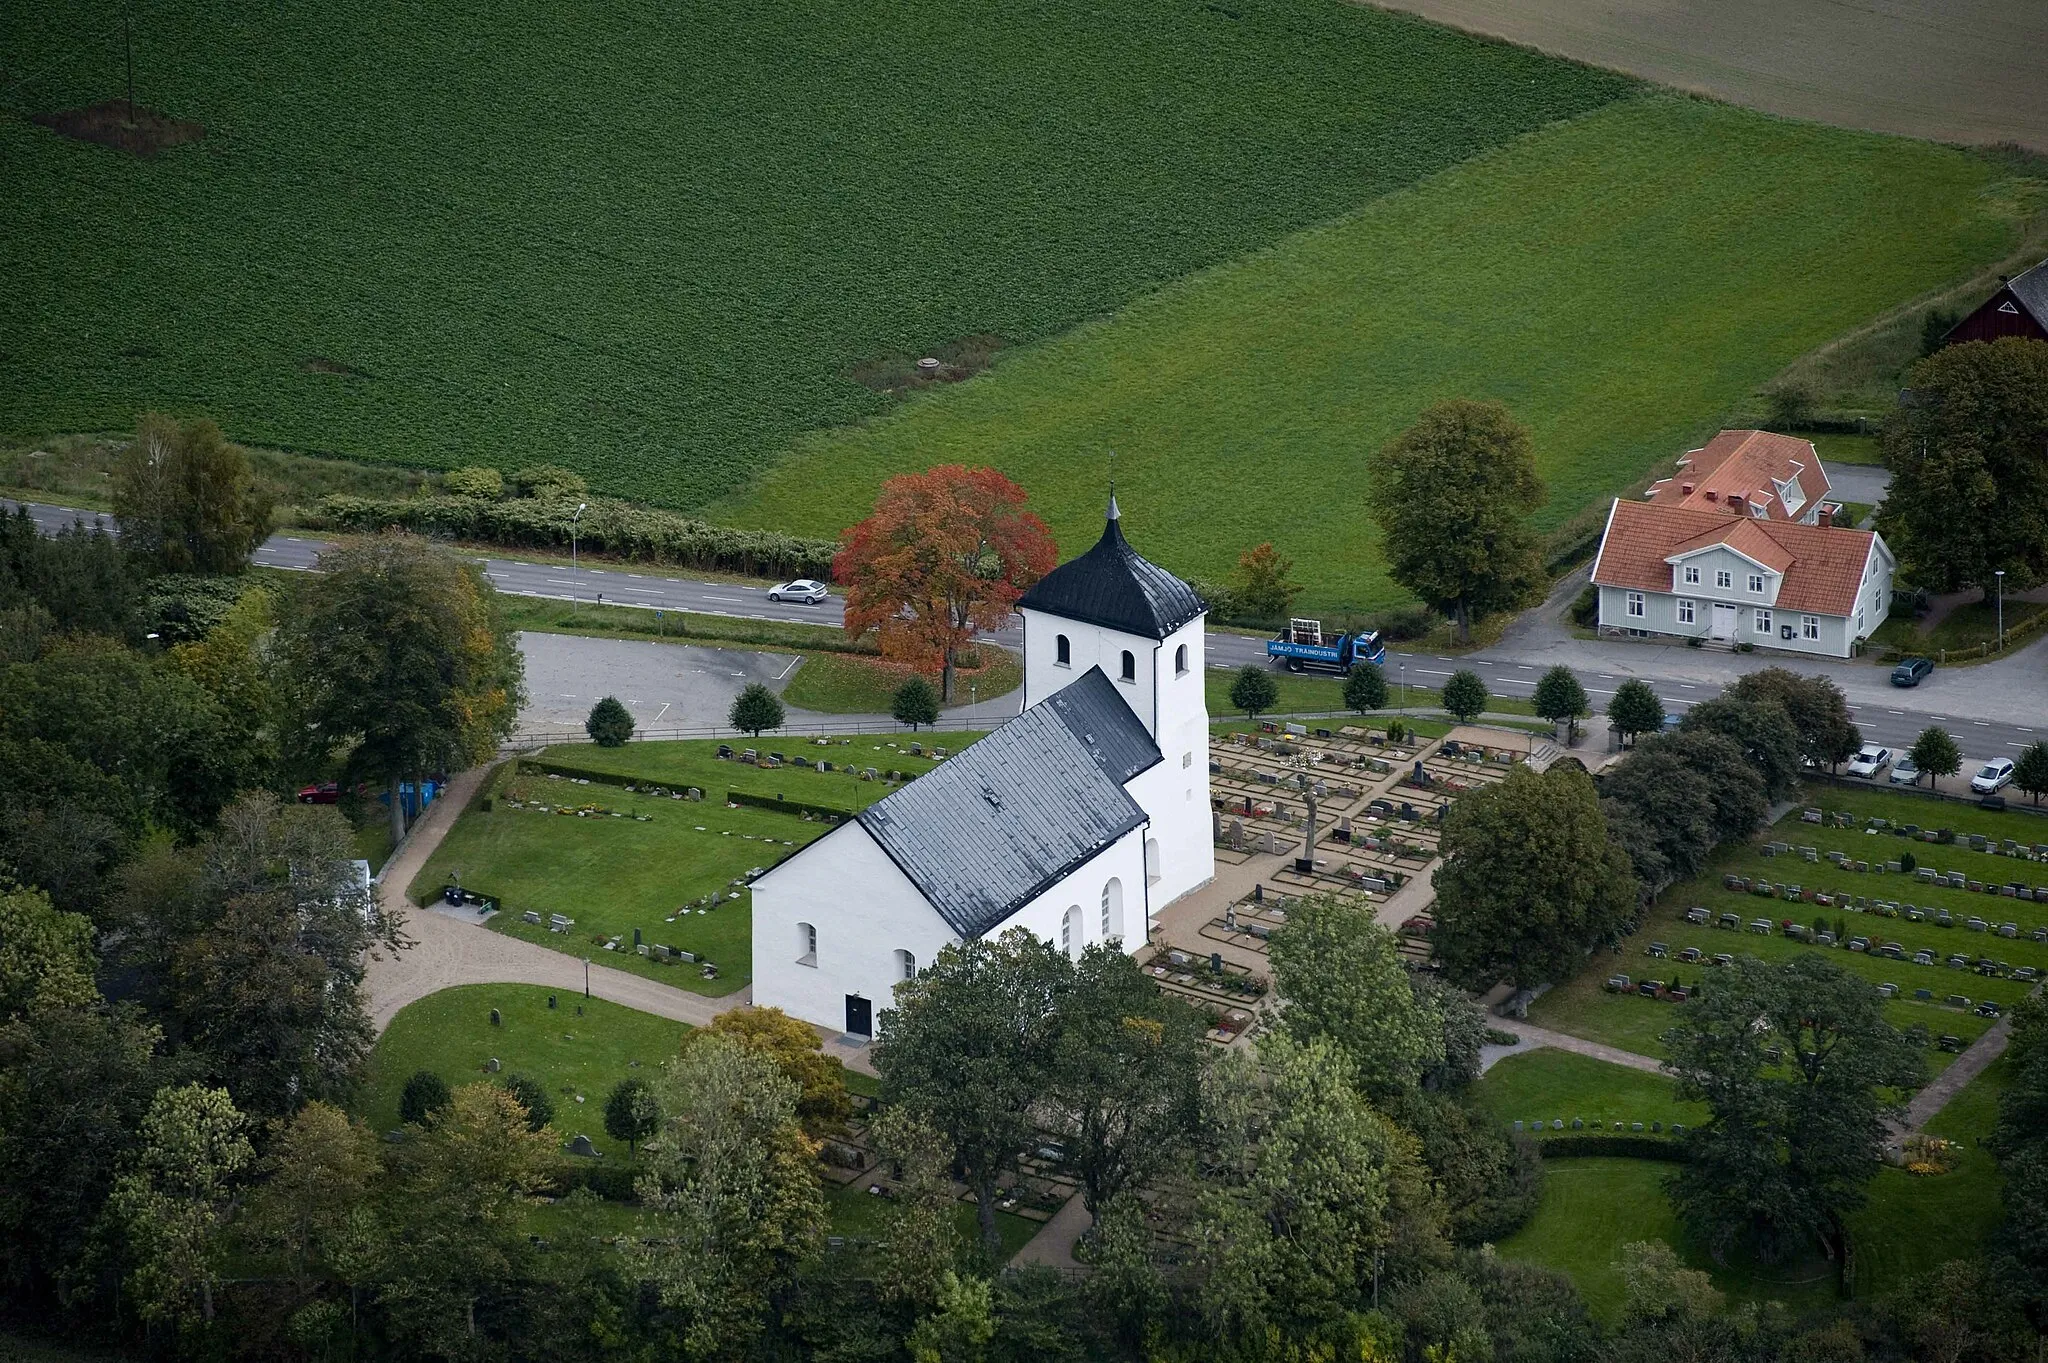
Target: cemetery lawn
{"points": [[450, 1033], [855, 1213], [851, 684], [1545, 1084], [695, 762], [1302, 694], [1620, 280]]}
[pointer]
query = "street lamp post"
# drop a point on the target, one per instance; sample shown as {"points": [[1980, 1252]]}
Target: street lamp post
{"points": [[586, 977], [2000, 575], [581, 507]]}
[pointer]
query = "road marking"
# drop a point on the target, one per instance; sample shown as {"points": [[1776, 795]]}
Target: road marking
{"points": [[562, 582], [1606, 676], [662, 711], [791, 668], [1596, 691], [1689, 686], [644, 591], [1895, 712], [1428, 673], [1985, 722], [1942, 718], [733, 600], [1526, 667], [2023, 728], [2019, 745]]}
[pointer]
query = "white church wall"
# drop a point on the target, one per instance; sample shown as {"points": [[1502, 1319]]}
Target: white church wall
{"points": [[1087, 646], [1123, 861], [865, 911]]}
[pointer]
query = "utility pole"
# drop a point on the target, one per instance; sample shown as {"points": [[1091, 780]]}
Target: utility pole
{"points": [[2000, 575]]}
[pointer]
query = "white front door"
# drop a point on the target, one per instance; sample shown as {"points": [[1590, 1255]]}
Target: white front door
{"points": [[1724, 622]]}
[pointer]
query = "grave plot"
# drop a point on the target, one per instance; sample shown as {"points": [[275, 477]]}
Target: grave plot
{"points": [[1232, 990], [1040, 1185]]}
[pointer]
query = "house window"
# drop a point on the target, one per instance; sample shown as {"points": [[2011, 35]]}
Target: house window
{"points": [[1684, 610], [1692, 574], [1723, 578], [1763, 622], [1070, 931], [1130, 666], [1180, 661], [906, 966], [1113, 910], [1756, 583], [806, 944], [1809, 626], [1063, 652], [1635, 603]]}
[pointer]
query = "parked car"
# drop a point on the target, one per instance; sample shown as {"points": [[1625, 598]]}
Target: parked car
{"points": [[321, 793], [1869, 761], [1905, 773], [1992, 776], [1911, 672], [804, 591]]}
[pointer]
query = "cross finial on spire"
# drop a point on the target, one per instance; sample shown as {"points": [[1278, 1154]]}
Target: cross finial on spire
{"points": [[1112, 486]]}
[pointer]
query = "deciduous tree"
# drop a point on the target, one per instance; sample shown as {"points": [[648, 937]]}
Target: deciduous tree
{"points": [[946, 554], [1465, 695], [631, 1113], [173, 1199], [922, 1243], [755, 709], [424, 1094], [1261, 589], [1559, 696], [320, 1169], [822, 1102], [400, 663], [1254, 691], [1935, 753], [1635, 709], [1344, 982], [1529, 880], [532, 1097], [2030, 773], [610, 724], [1452, 495], [1365, 688], [1686, 793], [46, 956], [915, 703], [1816, 706], [1763, 731], [187, 499]]}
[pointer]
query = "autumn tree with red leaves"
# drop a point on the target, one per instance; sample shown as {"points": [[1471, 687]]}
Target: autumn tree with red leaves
{"points": [[946, 553]]}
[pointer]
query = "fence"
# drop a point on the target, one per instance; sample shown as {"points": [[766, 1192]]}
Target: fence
{"points": [[1965, 796]]}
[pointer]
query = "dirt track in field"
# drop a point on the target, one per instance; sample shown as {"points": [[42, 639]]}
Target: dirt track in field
{"points": [[1950, 70]]}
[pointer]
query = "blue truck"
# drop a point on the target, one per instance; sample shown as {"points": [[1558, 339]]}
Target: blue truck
{"points": [[1304, 646]]}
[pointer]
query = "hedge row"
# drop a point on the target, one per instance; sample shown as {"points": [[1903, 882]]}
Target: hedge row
{"points": [[636, 533], [783, 806], [1583, 1146]]}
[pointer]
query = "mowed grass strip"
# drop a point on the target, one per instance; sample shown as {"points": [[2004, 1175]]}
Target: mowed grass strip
{"points": [[847, 684], [678, 764], [656, 242], [1619, 281], [1545, 1085]]}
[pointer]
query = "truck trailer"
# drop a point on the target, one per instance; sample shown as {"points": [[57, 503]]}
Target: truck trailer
{"points": [[1304, 647]]}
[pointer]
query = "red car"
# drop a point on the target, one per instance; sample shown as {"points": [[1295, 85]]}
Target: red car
{"points": [[322, 793]]}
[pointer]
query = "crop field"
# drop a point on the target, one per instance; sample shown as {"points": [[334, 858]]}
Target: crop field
{"points": [[656, 242], [1619, 281]]}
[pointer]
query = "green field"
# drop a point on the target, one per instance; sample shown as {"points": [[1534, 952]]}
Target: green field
{"points": [[1544, 1085], [657, 242], [1620, 281], [571, 1054]]}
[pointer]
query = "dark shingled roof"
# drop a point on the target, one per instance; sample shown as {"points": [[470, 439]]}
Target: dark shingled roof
{"points": [[988, 830], [2031, 289], [1114, 586]]}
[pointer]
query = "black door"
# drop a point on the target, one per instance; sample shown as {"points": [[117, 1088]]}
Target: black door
{"points": [[860, 1016]]}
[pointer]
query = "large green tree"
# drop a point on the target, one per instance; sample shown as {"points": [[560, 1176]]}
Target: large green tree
{"points": [[1529, 880], [1816, 706], [754, 709], [187, 500], [1560, 697], [2030, 773], [320, 1170], [1968, 449], [400, 663], [1796, 1064], [173, 1200], [1365, 688], [1452, 496], [1761, 728], [1935, 753], [1465, 695], [969, 1049], [1678, 796], [79, 580], [1253, 691], [1635, 709], [1342, 977]]}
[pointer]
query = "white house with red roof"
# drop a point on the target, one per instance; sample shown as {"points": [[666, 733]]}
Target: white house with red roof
{"points": [[1758, 474], [1693, 568]]}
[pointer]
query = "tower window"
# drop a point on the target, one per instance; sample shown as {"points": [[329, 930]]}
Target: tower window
{"points": [[1180, 661], [1063, 651], [1130, 666]]}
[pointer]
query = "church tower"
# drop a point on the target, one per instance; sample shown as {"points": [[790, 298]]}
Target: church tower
{"points": [[1114, 609]]}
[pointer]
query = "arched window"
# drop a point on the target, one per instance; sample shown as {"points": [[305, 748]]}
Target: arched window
{"points": [[1071, 931], [1113, 910], [1063, 651], [1151, 861], [806, 944], [1180, 661], [1130, 666], [906, 966]]}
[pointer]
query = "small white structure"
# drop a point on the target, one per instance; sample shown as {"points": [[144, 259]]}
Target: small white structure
{"points": [[1078, 820]]}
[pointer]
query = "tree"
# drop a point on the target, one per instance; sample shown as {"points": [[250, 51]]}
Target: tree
{"points": [[756, 708], [1660, 1290], [320, 1170], [186, 499], [733, 1187], [172, 1200], [969, 1047], [1452, 495], [1635, 709], [532, 1097], [631, 1113], [1678, 796], [474, 481], [79, 580], [1461, 1022], [425, 1094], [1969, 460], [1782, 1161], [922, 1242], [46, 956], [610, 724], [1559, 696], [1365, 688], [946, 553], [961, 1326], [548, 482], [1465, 695], [1342, 976], [1529, 880], [1254, 691], [1261, 589], [2030, 773], [822, 1102], [1816, 706], [915, 703], [1763, 731], [399, 657], [1126, 1061], [1935, 753]]}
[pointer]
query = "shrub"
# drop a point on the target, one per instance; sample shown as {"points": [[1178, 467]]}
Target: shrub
{"points": [[1791, 403], [609, 725], [1586, 607], [486, 483], [548, 482], [424, 1094], [1908, 862], [754, 709], [915, 703], [1404, 623], [630, 1113], [540, 1109]]}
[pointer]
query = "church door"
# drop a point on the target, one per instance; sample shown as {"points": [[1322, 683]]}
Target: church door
{"points": [[860, 1016]]}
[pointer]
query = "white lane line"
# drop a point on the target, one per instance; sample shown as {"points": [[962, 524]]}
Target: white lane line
{"points": [[1428, 673], [730, 600], [792, 667], [1985, 722], [1596, 691], [643, 591], [2019, 745], [662, 711], [1606, 676], [1895, 712], [1689, 686], [2023, 728], [561, 582], [1942, 718], [1526, 667]]}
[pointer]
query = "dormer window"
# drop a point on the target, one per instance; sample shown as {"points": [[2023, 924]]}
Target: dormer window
{"points": [[1692, 574], [1756, 583]]}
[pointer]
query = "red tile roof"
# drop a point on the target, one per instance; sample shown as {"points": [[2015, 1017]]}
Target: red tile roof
{"points": [[1822, 566], [1736, 466]]}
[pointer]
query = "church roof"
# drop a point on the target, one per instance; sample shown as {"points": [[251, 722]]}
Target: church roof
{"points": [[992, 828], [1115, 586]]}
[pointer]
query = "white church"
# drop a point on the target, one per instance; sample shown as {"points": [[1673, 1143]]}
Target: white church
{"points": [[1079, 819]]}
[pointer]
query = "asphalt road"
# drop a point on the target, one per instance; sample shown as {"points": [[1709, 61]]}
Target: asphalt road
{"points": [[1991, 710]]}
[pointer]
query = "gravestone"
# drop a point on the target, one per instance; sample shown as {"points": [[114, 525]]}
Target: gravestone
{"points": [[497, 1019], [580, 1145], [492, 1066]]}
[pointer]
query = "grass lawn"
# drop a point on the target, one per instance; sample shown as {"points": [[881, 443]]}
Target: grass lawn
{"points": [[1601, 277], [1543, 1084], [856, 1213], [1849, 449], [1854, 512], [845, 684], [373, 841], [1304, 694], [695, 762], [658, 242], [1969, 626], [450, 1033]]}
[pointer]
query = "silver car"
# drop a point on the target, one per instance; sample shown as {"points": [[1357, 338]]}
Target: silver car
{"points": [[1869, 761], [804, 591]]}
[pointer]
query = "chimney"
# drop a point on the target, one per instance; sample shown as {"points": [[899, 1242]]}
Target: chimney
{"points": [[1712, 495], [1686, 488]]}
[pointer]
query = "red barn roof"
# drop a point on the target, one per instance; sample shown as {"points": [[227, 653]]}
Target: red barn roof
{"points": [[2019, 308]]}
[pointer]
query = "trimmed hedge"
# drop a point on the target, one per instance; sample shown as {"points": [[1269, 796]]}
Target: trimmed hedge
{"points": [[631, 532], [1581, 1145], [785, 806]]}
